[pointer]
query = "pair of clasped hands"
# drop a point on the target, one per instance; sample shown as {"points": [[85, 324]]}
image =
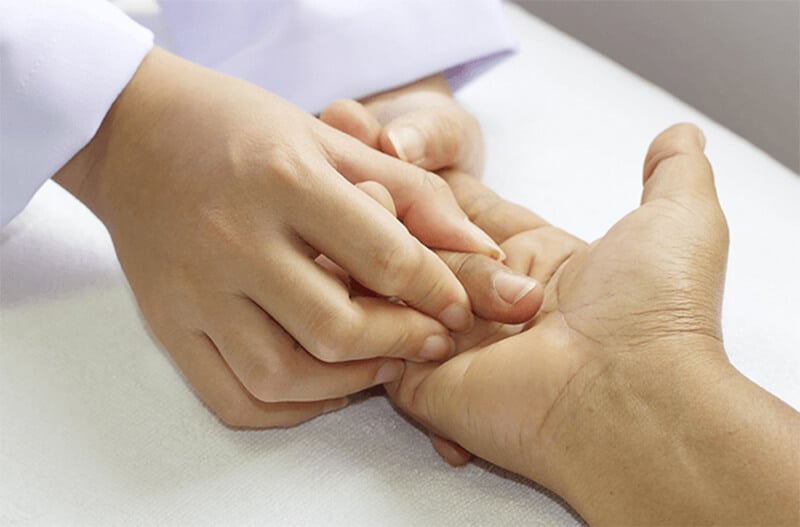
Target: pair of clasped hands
{"points": [[265, 252]]}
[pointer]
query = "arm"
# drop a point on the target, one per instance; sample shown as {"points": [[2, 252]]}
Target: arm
{"points": [[695, 444]]}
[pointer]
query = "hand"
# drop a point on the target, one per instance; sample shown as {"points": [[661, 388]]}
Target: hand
{"points": [[498, 295], [618, 395], [419, 123], [220, 196], [502, 296]]}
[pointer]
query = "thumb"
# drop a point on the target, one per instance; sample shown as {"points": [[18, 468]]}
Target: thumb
{"points": [[434, 138], [676, 168], [352, 118]]}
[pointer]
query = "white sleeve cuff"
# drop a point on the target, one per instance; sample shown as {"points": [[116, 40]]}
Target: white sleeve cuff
{"points": [[62, 65], [314, 52]]}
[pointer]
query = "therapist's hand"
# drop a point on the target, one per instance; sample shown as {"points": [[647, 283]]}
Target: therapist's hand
{"points": [[420, 123], [220, 197], [619, 395]]}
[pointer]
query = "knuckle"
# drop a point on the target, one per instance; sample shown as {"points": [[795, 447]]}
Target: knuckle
{"points": [[400, 343], [435, 184], [432, 294], [287, 169], [473, 264], [263, 381], [333, 335], [466, 266], [399, 267], [282, 164], [233, 413], [258, 369]]}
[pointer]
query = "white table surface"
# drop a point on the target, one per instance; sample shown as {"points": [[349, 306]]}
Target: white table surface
{"points": [[98, 428]]}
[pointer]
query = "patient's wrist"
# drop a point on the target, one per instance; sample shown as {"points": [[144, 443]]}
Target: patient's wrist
{"points": [[663, 439]]}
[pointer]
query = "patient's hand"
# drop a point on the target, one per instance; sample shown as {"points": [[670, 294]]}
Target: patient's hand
{"points": [[420, 123], [619, 395]]}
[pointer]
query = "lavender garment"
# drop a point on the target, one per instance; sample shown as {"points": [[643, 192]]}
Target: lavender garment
{"points": [[63, 63]]}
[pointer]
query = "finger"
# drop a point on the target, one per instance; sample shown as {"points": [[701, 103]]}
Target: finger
{"points": [[218, 388], [676, 167], [355, 288], [495, 291], [423, 93], [352, 118], [499, 218], [377, 251], [424, 203], [274, 368], [435, 138], [451, 452], [332, 269], [540, 252], [318, 312], [379, 193]]}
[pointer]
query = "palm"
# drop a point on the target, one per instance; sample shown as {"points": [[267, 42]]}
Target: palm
{"points": [[623, 293]]}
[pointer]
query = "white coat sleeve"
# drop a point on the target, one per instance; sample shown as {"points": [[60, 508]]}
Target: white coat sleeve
{"points": [[62, 65], [312, 52]]}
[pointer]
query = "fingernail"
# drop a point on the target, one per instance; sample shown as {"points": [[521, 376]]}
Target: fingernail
{"points": [[512, 287], [455, 317], [437, 347], [485, 243], [335, 404], [388, 372], [408, 142]]}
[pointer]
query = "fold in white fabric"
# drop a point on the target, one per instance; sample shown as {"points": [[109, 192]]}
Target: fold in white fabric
{"points": [[98, 428], [64, 62]]}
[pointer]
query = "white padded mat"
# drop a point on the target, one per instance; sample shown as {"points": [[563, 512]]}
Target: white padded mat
{"points": [[98, 428]]}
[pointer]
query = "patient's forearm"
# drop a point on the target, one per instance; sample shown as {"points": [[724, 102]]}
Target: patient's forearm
{"points": [[709, 448]]}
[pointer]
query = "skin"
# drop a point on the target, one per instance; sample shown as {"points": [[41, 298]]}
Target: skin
{"points": [[420, 123], [453, 146], [618, 395], [220, 199]]}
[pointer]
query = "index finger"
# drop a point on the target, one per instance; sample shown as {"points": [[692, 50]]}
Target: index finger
{"points": [[368, 242], [499, 218], [424, 203]]}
